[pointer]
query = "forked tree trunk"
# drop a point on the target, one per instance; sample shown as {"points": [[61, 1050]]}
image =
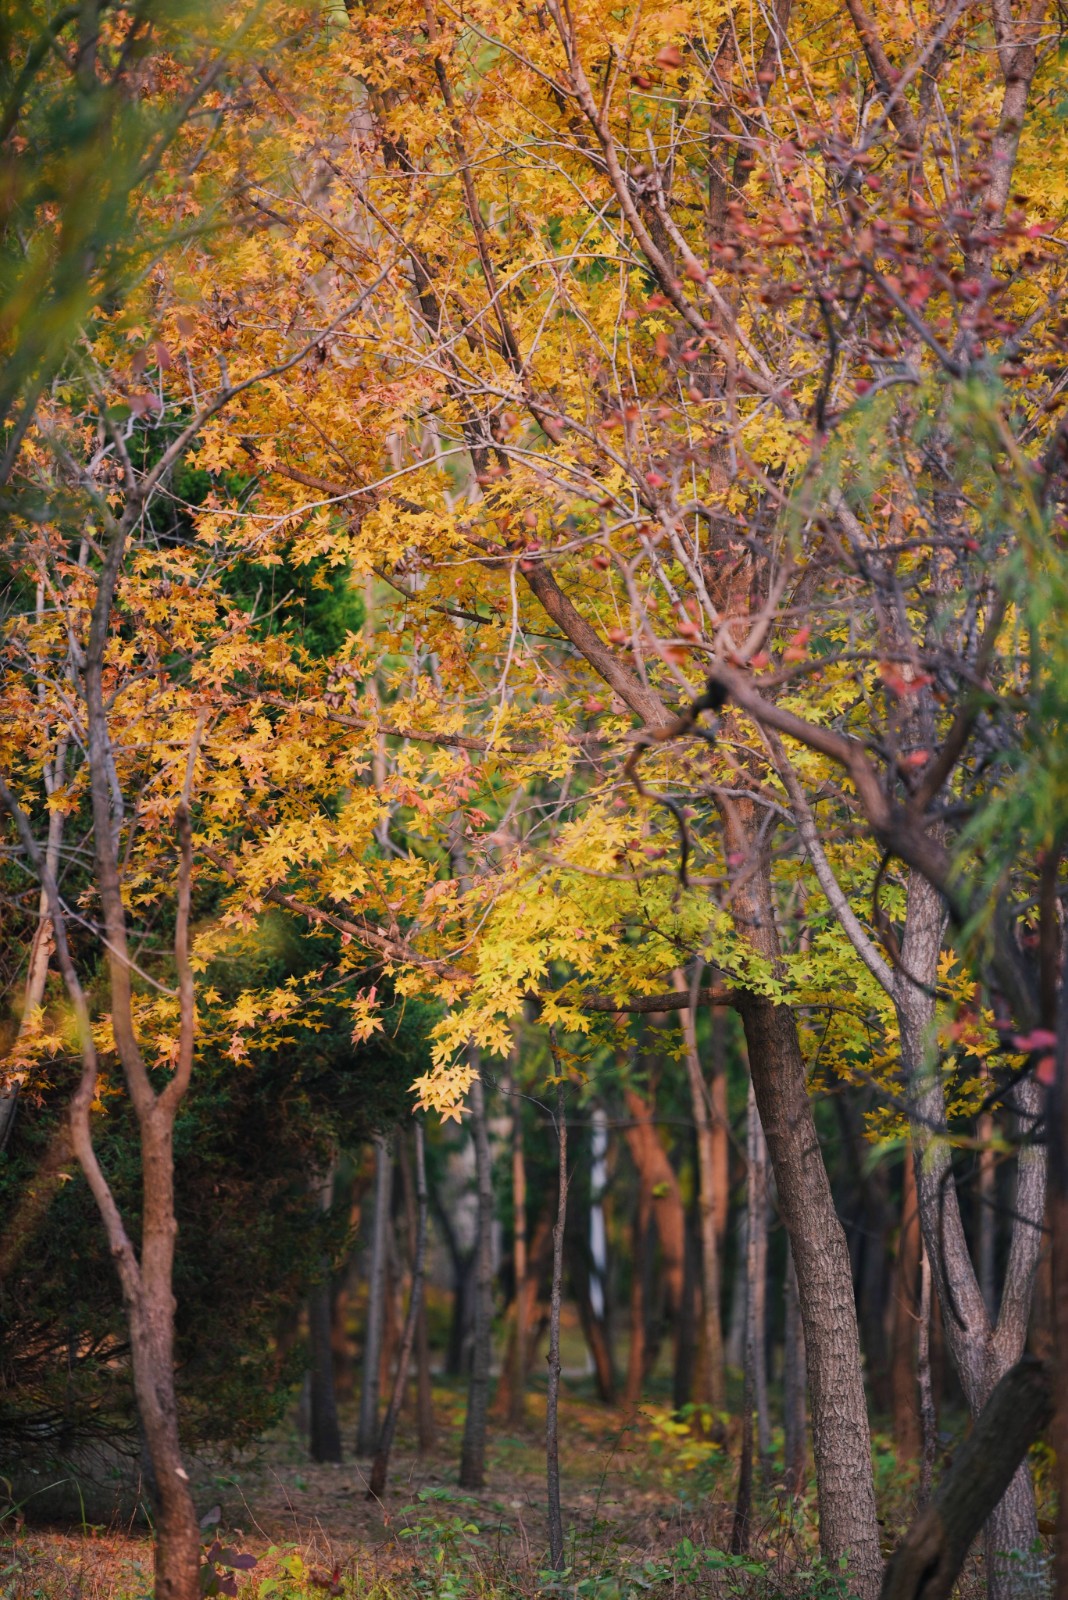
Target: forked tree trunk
{"points": [[367, 1427], [982, 1352], [473, 1448], [840, 1435], [926, 1564], [380, 1468]]}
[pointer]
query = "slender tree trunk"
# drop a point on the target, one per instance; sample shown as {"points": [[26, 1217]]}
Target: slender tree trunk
{"points": [[743, 1504], [793, 1384], [720, 1132], [734, 1348], [380, 1468], [324, 1431], [708, 1182], [757, 1281], [424, 1398], [473, 1449], [986, 1220], [518, 1395], [367, 1427], [928, 1414], [552, 1403], [539, 1261], [583, 1283], [841, 1438], [904, 1393], [636, 1355]]}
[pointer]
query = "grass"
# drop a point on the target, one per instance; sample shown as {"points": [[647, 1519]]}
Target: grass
{"points": [[648, 1504]]}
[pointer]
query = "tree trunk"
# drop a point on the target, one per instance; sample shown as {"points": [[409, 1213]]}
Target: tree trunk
{"points": [[982, 1353], [380, 1468], [552, 1402], [583, 1284], [642, 1248], [424, 1398], [710, 1185], [734, 1347], [926, 1564], [841, 1440], [517, 1400], [1058, 1216], [662, 1187], [367, 1427], [720, 1133], [903, 1391], [323, 1428], [986, 1207], [538, 1264], [324, 1433], [686, 1341], [928, 1413], [743, 1504], [473, 1449], [793, 1385], [756, 1331]]}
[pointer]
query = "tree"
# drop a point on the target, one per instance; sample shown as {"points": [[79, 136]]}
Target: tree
{"points": [[681, 395]]}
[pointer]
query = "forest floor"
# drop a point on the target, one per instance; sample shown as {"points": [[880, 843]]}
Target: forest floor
{"points": [[647, 1503]]}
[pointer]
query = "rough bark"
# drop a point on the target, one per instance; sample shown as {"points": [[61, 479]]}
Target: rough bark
{"points": [[552, 1402], [380, 1467], [367, 1427], [709, 1182], [982, 1352], [926, 1564], [473, 1447], [840, 1436]]}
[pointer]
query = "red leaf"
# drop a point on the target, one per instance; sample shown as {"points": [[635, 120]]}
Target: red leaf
{"points": [[669, 56]]}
